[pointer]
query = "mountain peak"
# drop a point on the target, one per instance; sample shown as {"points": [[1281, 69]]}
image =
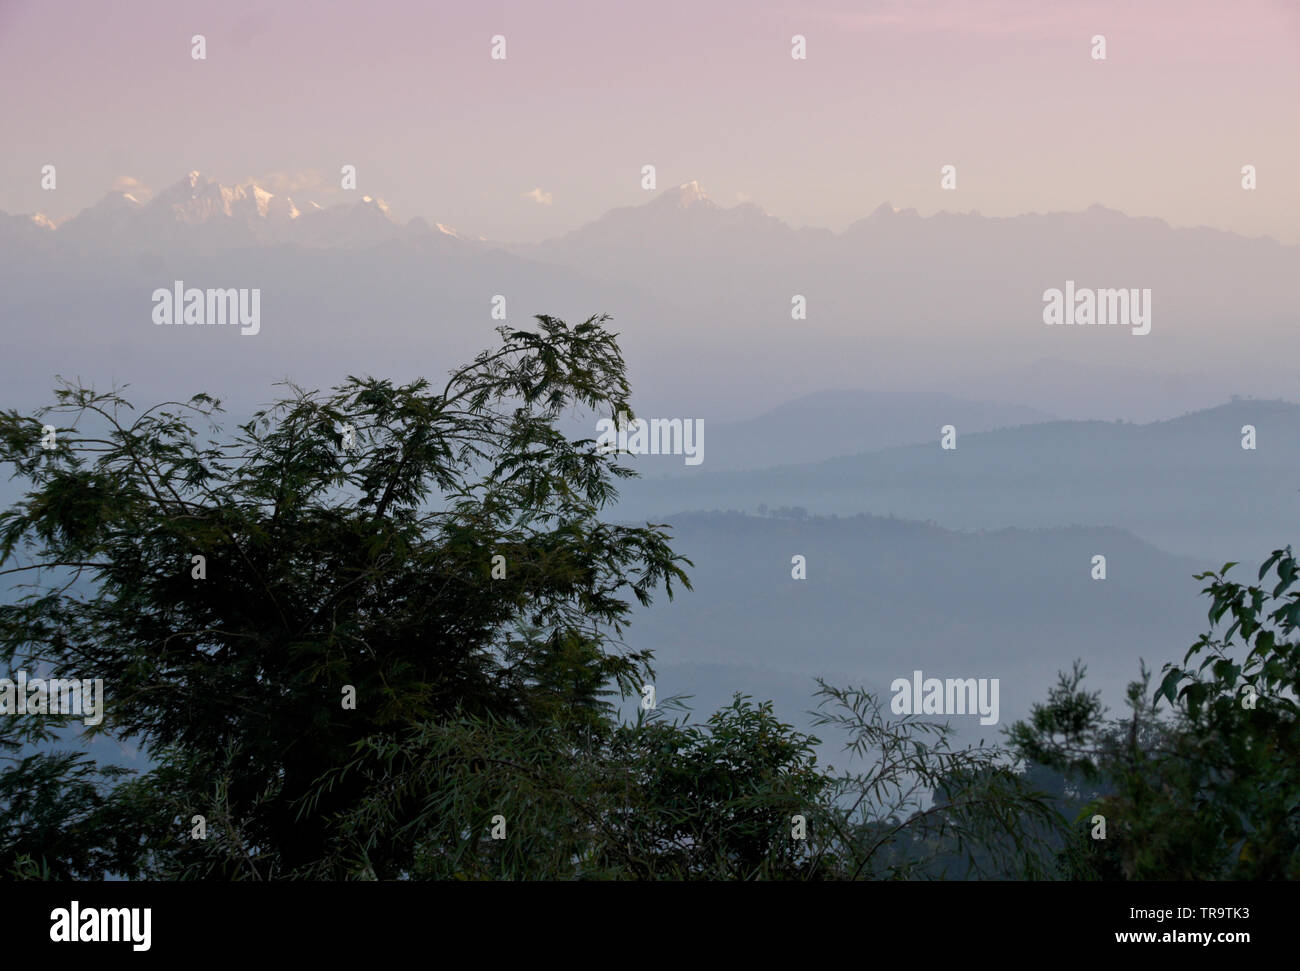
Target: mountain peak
{"points": [[1099, 213], [687, 194], [374, 202], [115, 199], [887, 210]]}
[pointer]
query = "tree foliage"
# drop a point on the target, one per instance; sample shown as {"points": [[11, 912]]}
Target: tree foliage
{"points": [[1212, 789], [442, 555], [348, 540]]}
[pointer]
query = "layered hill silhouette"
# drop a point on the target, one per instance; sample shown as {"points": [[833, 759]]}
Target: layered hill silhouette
{"points": [[1185, 484], [884, 597], [834, 423]]}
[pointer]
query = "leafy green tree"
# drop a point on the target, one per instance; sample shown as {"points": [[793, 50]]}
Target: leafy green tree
{"points": [[1240, 705], [439, 555], [919, 808], [656, 799], [648, 799], [348, 543], [1210, 791], [1119, 769], [61, 816]]}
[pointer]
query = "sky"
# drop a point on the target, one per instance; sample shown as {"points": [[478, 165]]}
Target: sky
{"points": [[556, 134]]}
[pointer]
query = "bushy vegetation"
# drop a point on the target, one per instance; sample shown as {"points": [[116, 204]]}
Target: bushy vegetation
{"points": [[439, 555]]}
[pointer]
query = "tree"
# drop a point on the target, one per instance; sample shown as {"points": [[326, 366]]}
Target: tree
{"points": [[1210, 791], [1242, 712], [61, 818], [921, 808], [741, 796], [647, 799], [426, 551], [375, 629]]}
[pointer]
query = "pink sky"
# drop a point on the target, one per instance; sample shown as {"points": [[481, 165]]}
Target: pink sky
{"points": [[1006, 90]]}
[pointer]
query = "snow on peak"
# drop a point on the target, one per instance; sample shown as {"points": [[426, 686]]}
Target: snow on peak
{"points": [[687, 194], [196, 199], [199, 208], [691, 191], [115, 199], [262, 198]]}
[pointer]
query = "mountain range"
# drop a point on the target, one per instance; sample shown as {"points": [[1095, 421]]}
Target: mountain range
{"points": [[701, 294], [202, 212]]}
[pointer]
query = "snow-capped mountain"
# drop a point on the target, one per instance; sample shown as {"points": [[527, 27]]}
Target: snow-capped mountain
{"points": [[204, 212], [684, 195], [694, 280]]}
